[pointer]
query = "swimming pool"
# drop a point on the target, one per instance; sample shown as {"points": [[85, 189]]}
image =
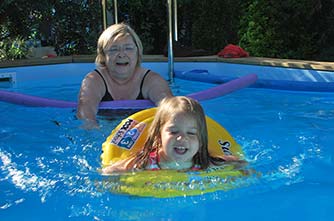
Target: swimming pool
{"points": [[49, 165]]}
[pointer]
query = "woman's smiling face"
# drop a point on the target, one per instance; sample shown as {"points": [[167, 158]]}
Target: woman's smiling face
{"points": [[179, 140], [122, 57]]}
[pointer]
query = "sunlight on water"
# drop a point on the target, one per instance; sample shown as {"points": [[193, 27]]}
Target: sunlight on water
{"points": [[53, 163]]}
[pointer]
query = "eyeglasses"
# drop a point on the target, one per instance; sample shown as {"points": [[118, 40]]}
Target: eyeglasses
{"points": [[127, 49]]}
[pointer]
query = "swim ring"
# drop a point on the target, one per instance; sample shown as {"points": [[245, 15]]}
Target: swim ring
{"points": [[172, 183], [129, 137]]}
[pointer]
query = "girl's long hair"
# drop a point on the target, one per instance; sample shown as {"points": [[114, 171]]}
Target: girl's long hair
{"points": [[167, 108]]}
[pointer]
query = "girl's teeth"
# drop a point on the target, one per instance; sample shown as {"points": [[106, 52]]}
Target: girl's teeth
{"points": [[180, 150]]}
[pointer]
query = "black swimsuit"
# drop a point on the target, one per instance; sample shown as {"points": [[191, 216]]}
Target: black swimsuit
{"points": [[107, 96]]}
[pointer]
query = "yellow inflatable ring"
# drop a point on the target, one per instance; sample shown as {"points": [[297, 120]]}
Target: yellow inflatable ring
{"points": [[129, 137], [172, 183]]}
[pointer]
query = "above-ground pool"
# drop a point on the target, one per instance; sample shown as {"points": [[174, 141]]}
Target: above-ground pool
{"points": [[49, 166]]}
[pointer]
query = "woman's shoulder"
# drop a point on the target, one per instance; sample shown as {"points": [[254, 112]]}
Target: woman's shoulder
{"points": [[94, 78], [90, 75], [152, 75], [96, 74]]}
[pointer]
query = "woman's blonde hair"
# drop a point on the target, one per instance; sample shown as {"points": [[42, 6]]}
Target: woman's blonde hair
{"points": [[167, 108], [112, 33]]}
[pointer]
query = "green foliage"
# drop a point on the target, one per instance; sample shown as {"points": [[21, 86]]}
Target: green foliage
{"points": [[11, 49], [76, 26], [301, 29], [71, 26], [325, 26], [281, 29], [214, 23], [21, 17], [149, 20], [258, 32]]}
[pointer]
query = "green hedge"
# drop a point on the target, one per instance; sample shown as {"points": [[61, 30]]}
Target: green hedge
{"points": [[300, 29], [287, 29]]}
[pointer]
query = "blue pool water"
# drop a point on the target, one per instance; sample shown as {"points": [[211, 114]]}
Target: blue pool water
{"points": [[49, 166]]}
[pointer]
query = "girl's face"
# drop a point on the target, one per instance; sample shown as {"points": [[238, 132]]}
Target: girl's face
{"points": [[121, 57], [179, 141]]}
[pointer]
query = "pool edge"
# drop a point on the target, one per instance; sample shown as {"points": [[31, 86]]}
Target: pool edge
{"points": [[262, 61]]}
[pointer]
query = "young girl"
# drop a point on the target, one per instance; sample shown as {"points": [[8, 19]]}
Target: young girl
{"points": [[178, 139]]}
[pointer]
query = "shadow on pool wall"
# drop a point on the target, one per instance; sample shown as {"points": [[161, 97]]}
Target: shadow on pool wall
{"points": [[272, 73]]}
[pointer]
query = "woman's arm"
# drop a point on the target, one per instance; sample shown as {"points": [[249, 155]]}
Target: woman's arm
{"points": [[156, 88], [90, 95]]}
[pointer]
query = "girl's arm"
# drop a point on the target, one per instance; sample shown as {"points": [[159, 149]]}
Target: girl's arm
{"points": [[119, 166], [229, 160]]}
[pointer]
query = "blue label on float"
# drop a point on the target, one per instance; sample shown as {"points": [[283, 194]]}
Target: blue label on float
{"points": [[128, 134]]}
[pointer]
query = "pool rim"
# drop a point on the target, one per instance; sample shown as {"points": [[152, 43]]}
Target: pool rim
{"points": [[261, 61]]}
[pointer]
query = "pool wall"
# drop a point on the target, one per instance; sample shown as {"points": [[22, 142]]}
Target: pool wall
{"points": [[214, 71], [268, 77]]}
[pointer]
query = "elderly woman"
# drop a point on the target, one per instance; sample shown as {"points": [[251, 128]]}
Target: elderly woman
{"points": [[118, 74]]}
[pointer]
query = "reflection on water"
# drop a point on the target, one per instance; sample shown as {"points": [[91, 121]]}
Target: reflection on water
{"points": [[50, 167]]}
